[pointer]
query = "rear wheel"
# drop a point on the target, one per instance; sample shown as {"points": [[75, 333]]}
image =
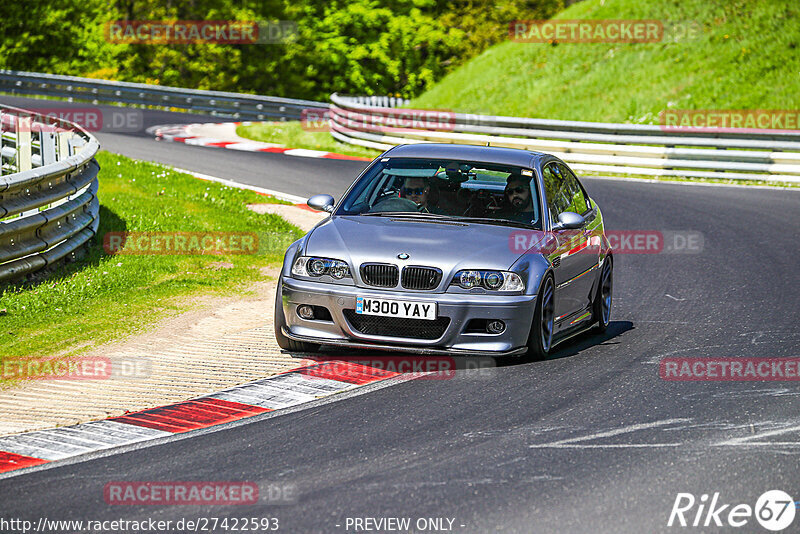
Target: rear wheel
{"points": [[280, 321], [601, 308], [540, 340]]}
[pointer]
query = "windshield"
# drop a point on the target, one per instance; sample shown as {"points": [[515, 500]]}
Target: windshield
{"points": [[446, 188]]}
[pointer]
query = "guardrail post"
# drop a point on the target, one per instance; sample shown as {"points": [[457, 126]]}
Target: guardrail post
{"points": [[48, 141], [63, 144], [24, 144], [75, 146]]}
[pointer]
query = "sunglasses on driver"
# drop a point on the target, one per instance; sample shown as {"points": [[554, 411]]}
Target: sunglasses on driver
{"points": [[413, 190]]}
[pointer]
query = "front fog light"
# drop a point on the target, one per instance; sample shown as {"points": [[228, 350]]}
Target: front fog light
{"points": [[495, 327], [305, 312]]}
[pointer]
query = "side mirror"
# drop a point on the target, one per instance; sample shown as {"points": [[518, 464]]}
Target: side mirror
{"points": [[321, 202], [569, 220]]}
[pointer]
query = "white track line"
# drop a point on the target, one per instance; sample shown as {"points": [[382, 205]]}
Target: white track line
{"points": [[294, 199]]}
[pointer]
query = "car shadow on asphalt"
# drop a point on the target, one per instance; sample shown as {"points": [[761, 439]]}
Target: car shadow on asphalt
{"points": [[578, 344], [447, 366], [590, 339]]}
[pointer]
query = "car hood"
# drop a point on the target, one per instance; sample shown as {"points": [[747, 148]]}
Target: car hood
{"points": [[450, 246]]}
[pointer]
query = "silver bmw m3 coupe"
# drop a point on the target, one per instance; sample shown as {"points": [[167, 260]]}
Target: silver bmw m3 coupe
{"points": [[449, 249]]}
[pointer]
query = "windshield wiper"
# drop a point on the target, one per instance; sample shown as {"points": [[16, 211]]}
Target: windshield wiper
{"points": [[502, 222], [407, 214], [454, 218]]}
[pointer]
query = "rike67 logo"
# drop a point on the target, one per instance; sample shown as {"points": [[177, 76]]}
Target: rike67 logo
{"points": [[774, 510]]}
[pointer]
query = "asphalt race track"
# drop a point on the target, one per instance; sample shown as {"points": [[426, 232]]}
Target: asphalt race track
{"points": [[591, 440], [294, 175]]}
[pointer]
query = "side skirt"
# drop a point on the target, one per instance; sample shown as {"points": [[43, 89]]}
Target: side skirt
{"points": [[584, 326]]}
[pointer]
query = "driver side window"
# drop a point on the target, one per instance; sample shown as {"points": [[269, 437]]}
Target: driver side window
{"points": [[577, 200], [555, 188]]}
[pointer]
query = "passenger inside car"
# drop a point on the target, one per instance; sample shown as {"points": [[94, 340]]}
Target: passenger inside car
{"points": [[519, 201]]}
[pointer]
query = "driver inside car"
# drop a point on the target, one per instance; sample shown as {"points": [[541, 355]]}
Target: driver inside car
{"points": [[418, 190]]}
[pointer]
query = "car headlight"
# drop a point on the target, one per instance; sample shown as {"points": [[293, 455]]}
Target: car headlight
{"points": [[316, 267], [492, 280]]}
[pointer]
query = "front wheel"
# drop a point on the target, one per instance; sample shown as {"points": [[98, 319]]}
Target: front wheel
{"points": [[601, 309], [540, 340]]}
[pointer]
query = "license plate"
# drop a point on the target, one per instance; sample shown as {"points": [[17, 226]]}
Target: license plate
{"points": [[396, 308]]}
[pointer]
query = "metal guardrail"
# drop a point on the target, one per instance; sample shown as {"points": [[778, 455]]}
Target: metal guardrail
{"points": [[230, 105], [48, 191], [644, 150]]}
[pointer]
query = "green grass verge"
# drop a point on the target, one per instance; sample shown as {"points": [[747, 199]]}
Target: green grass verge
{"points": [[291, 134], [105, 297], [746, 55]]}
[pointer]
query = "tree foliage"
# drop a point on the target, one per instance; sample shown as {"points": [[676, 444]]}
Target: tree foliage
{"points": [[397, 47]]}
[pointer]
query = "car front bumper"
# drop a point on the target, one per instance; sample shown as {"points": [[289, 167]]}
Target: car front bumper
{"points": [[516, 311]]}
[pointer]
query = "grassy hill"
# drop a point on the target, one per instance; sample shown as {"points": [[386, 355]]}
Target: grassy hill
{"points": [[745, 55]]}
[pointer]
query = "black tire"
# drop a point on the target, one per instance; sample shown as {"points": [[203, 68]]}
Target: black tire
{"points": [[280, 321], [601, 307], [540, 339]]}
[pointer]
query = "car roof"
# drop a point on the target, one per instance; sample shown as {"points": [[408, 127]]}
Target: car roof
{"points": [[480, 154]]}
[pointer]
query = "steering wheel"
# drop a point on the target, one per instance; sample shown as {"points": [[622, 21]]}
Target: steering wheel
{"points": [[394, 204]]}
